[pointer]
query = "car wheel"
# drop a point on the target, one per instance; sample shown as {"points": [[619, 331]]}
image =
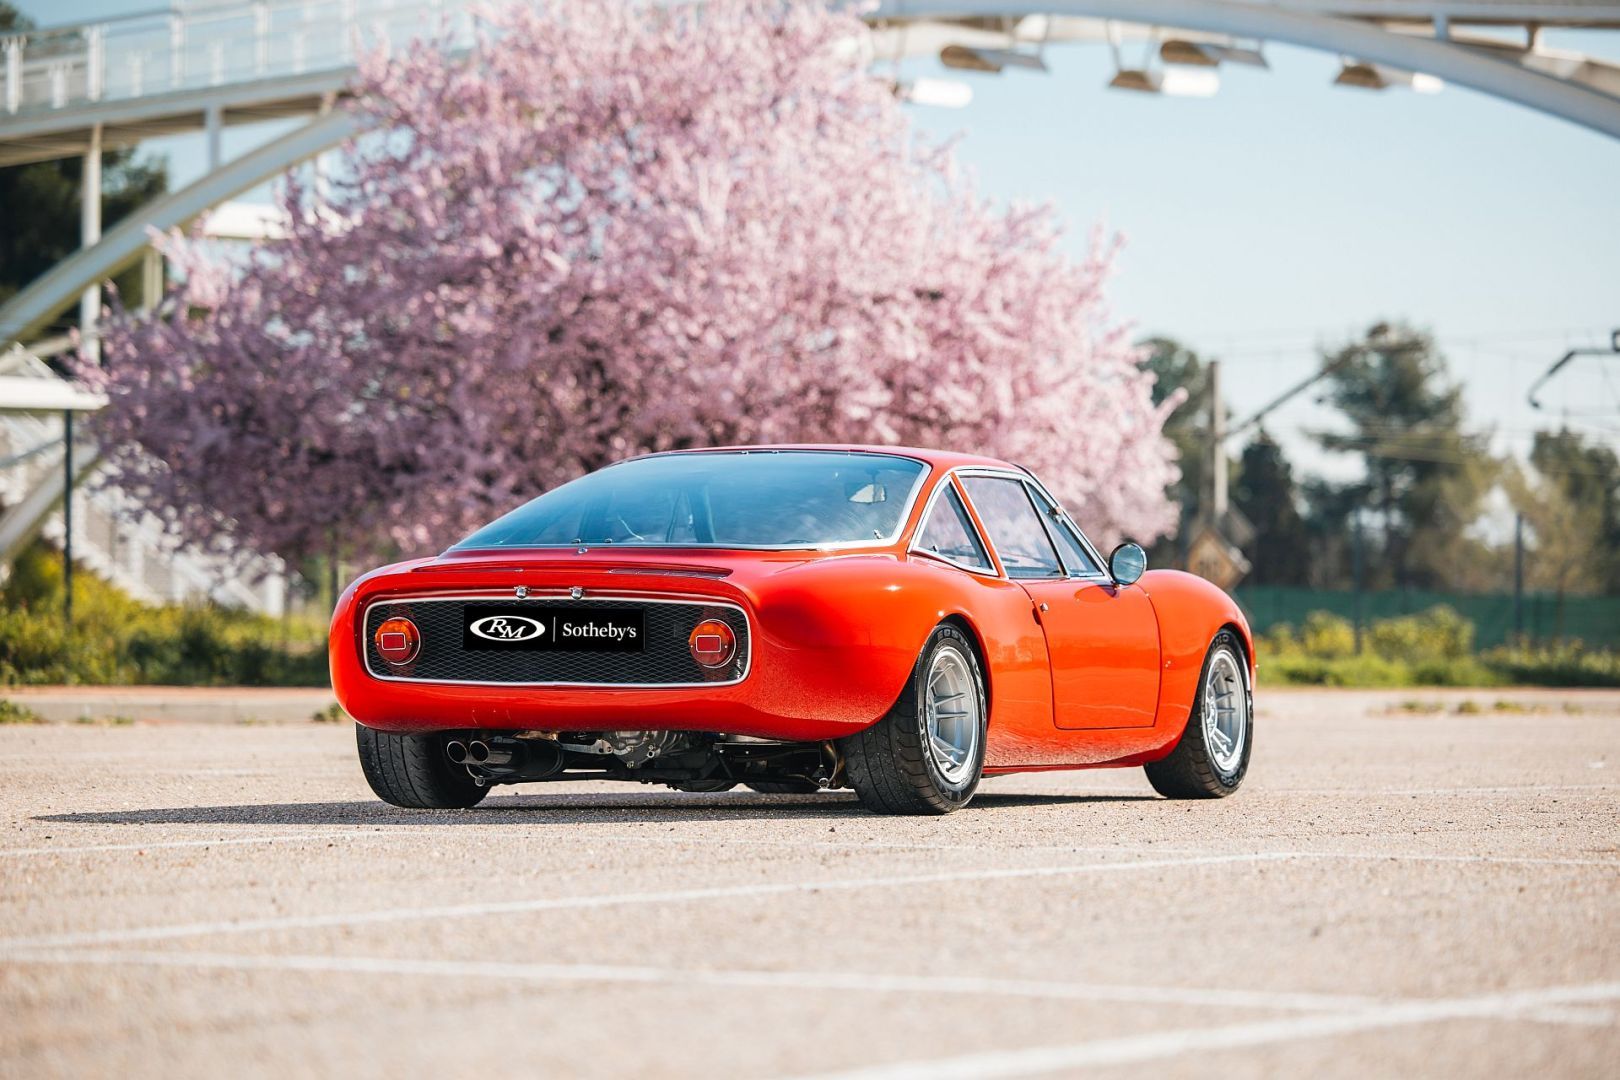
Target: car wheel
{"points": [[1212, 757], [412, 771], [782, 787], [926, 755]]}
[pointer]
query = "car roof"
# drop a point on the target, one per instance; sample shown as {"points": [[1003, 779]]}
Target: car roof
{"points": [[944, 459]]}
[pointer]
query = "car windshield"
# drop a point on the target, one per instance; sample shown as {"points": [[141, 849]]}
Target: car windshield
{"points": [[760, 498]]}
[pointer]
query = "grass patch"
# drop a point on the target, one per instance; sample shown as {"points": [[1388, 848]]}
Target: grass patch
{"points": [[332, 714], [1567, 664], [13, 713], [1372, 672]]}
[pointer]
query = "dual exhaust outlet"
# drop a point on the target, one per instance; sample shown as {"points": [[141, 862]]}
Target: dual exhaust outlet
{"points": [[477, 752], [528, 759]]}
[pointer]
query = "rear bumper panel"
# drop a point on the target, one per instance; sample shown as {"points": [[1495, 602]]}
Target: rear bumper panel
{"points": [[791, 688], [664, 659]]}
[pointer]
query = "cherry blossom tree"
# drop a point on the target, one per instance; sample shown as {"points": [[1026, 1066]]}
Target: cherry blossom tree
{"points": [[610, 229]]}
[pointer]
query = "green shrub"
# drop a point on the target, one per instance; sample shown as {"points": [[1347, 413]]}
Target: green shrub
{"points": [[1327, 636], [1437, 634], [1432, 648], [1365, 671], [116, 639]]}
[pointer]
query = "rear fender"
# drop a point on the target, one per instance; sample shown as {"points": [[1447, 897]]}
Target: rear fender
{"points": [[868, 617]]}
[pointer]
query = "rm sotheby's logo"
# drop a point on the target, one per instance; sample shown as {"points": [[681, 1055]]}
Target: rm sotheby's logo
{"points": [[507, 628]]}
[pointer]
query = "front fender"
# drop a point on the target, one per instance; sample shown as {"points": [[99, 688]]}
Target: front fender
{"points": [[1190, 611]]}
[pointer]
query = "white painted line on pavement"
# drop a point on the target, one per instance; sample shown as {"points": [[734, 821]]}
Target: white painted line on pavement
{"points": [[1157, 1046], [1076, 849], [1423, 856], [842, 981], [1513, 789], [578, 839], [671, 896], [686, 976], [272, 838]]}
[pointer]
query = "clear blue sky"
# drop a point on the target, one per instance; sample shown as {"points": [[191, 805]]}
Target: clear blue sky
{"points": [[1285, 213]]}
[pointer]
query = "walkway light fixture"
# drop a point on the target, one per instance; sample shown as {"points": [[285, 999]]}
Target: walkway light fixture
{"points": [[1368, 76], [1138, 79], [1210, 53], [990, 61], [1172, 81]]}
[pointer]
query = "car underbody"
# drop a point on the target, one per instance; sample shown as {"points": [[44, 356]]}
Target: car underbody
{"points": [[686, 761]]}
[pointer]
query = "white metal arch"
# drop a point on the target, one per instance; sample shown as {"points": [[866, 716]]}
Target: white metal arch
{"points": [[1449, 61], [123, 243], [1453, 62]]}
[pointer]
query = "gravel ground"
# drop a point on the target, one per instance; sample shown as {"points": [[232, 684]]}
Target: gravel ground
{"points": [[1413, 884]]}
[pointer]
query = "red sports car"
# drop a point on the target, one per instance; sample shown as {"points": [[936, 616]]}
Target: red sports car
{"points": [[795, 618]]}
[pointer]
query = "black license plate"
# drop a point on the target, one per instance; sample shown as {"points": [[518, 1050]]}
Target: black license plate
{"points": [[539, 628]]}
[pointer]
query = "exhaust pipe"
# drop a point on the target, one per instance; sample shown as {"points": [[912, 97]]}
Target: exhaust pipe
{"points": [[529, 759], [482, 753]]}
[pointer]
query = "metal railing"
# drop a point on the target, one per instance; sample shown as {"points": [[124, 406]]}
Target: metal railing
{"points": [[199, 46], [113, 535]]}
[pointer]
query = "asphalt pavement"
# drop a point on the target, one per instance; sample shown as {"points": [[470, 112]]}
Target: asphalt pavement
{"points": [[1411, 883]]}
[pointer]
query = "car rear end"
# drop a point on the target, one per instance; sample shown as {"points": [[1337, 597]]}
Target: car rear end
{"points": [[720, 645]]}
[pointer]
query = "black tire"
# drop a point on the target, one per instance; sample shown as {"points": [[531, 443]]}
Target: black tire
{"points": [[889, 764], [782, 787], [412, 771], [706, 787], [1191, 771]]}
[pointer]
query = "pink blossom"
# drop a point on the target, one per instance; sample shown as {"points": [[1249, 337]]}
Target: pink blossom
{"points": [[613, 229]]}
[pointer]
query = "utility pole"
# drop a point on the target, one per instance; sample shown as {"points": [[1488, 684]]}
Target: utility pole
{"points": [[1518, 578], [1217, 437], [67, 517], [1357, 563]]}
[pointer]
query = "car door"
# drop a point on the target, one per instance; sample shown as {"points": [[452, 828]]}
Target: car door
{"points": [[1103, 639]]}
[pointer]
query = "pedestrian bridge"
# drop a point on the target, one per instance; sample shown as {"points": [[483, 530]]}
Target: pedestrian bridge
{"points": [[202, 65], [73, 90]]}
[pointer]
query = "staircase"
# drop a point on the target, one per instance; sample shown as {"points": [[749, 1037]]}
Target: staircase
{"points": [[113, 537]]}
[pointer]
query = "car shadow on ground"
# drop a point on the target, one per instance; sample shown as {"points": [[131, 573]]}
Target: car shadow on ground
{"points": [[563, 809]]}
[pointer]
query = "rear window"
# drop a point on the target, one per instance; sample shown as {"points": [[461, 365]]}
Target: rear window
{"points": [[762, 498]]}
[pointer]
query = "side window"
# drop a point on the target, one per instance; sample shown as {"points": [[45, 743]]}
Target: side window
{"points": [[1075, 555], [1014, 526], [949, 532]]}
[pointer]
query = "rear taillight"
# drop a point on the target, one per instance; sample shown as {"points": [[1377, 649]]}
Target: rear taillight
{"points": [[713, 643], [398, 641]]}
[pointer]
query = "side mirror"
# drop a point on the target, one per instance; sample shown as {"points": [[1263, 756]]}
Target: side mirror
{"points": [[1127, 564]]}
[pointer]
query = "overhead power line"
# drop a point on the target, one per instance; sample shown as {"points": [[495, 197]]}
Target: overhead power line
{"points": [[1563, 361]]}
